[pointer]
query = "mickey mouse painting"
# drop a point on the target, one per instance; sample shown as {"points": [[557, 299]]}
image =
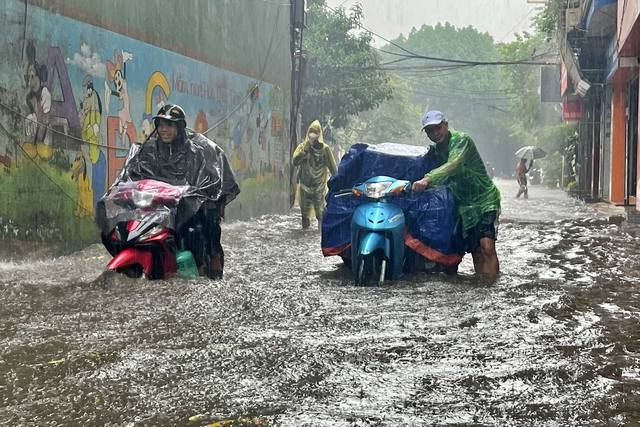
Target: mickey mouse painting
{"points": [[38, 138]]}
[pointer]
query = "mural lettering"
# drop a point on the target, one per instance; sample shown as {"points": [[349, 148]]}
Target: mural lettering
{"points": [[65, 107], [116, 158]]}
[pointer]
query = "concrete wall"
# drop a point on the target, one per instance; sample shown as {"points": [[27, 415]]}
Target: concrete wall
{"points": [[92, 74]]}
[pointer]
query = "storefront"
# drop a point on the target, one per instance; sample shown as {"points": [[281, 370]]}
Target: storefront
{"points": [[628, 43]]}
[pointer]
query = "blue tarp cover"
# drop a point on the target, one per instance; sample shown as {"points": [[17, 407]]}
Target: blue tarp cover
{"points": [[430, 215]]}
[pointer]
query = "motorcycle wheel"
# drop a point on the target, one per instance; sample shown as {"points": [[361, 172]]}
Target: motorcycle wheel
{"points": [[132, 271], [371, 268]]}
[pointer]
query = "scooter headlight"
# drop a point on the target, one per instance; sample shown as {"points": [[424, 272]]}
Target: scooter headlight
{"points": [[376, 190], [142, 198], [151, 232]]}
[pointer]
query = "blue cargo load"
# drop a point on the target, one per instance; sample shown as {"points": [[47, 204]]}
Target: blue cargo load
{"points": [[432, 224]]}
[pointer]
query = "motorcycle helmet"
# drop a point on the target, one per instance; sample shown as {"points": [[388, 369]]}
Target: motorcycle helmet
{"points": [[173, 113]]}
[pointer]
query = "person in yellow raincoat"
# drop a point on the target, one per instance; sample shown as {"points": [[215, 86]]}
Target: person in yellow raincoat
{"points": [[316, 164], [477, 197]]}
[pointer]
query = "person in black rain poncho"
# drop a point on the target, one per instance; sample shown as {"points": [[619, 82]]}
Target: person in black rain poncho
{"points": [[180, 156]]}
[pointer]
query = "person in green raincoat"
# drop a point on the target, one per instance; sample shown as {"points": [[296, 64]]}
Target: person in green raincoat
{"points": [[477, 197], [316, 164]]}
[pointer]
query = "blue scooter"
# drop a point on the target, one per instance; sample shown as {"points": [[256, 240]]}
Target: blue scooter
{"points": [[377, 230]]}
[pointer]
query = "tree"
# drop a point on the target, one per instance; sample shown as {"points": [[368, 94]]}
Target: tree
{"points": [[396, 120], [536, 123], [454, 70], [522, 82], [343, 76], [545, 22], [461, 88]]}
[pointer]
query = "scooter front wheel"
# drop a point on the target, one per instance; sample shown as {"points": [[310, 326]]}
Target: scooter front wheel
{"points": [[371, 268]]}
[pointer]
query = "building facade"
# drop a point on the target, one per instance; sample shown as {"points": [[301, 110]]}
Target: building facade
{"points": [[599, 43]]}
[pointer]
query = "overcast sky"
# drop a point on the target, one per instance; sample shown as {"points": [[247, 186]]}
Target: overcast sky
{"points": [[390, 18]]}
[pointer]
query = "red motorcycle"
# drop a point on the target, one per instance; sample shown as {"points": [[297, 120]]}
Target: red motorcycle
{"points": [[139, 220]]}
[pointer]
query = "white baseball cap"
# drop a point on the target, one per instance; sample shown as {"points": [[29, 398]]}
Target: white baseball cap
{"points": [[433, 117]]}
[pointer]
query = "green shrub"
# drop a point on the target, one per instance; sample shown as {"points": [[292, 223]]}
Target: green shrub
{"points": [[552, 170]]}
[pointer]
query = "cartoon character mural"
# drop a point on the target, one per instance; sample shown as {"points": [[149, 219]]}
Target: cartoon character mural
{"points": [[91, 109], [239, 158], [69, 142], [84, 206], [38, 139], [6, 160], [200, 124], [117, 74], [261, 124], [157, 86], [279, 141], [146, 126]]}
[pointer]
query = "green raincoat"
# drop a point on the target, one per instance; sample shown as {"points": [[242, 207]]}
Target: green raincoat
{"points": [[474, 191]]}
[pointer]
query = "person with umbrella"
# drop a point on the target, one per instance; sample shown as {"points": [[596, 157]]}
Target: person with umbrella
{"points": [[521, 177], [530, 152]]}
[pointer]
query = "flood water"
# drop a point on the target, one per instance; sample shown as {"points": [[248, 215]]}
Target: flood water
{"points": [[287, 340]]}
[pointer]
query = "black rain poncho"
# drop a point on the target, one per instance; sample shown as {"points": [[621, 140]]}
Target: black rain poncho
{"points": [[197, 162]]}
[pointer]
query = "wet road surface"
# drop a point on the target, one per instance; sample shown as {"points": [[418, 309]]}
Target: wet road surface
{"points": [[287, 340]]}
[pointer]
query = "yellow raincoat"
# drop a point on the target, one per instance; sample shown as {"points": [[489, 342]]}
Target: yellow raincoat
{"points": [[315, 165]]}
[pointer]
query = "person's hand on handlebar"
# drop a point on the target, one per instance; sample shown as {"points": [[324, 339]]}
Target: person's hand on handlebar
{"points": [[421, 185]]}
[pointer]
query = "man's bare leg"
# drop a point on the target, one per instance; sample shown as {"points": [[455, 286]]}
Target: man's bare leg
{"points": [[485, 258]]}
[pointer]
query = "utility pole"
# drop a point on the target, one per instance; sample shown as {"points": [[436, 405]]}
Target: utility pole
{"points": [[298, 65]]}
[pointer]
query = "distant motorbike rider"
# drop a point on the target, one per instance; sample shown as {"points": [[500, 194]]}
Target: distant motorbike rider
{"points": [[179, 156]]}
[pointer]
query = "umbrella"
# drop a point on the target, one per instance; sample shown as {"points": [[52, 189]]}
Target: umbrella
{"points": [[530, 152]]}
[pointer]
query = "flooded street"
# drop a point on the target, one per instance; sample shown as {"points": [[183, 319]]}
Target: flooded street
{"points": [[287, 340]]}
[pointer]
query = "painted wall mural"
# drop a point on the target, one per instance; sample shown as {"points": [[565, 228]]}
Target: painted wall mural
{"points": [[73, 98]]}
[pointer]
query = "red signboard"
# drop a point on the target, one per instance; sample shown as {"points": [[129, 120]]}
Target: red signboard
{"points": [[571, 111]]}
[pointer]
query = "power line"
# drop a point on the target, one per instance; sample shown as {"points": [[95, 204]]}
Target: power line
{"points": [[448, 95], [412, 55], [268, 59], [523, 18]]}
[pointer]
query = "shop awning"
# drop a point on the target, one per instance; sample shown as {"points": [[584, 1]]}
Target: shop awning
{"points": [[574, 75], [602, 17]]}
